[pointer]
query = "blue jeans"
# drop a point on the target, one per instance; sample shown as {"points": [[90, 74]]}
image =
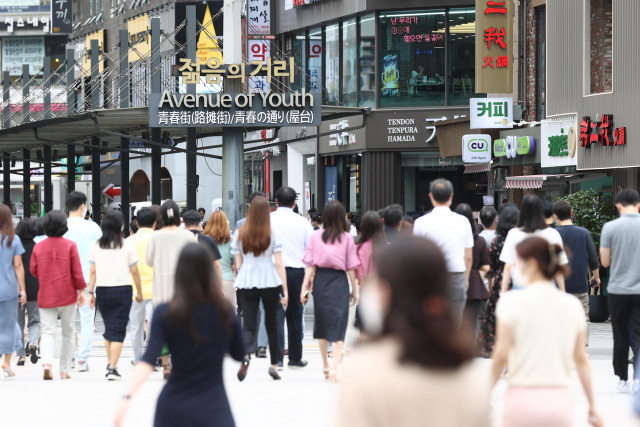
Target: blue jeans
{"points": [[263, 339], [85, 340]]}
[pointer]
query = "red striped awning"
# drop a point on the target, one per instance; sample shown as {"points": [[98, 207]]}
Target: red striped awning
{"points": [[526, 182], [477, 168]]}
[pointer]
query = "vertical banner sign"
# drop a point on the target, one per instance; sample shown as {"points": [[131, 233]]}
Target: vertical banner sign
{"points": [[22, 50], [259, 50], [307, 195], [494, 46], [315, 65], [61, 17], [259, 17], [390, 75], [330, 184]]}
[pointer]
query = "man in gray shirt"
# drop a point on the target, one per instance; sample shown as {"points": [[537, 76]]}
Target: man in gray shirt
{"points": [[619, 249]]}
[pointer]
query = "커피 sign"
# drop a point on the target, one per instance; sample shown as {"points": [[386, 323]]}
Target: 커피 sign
{"points": [[491, 113], [559, 141]]}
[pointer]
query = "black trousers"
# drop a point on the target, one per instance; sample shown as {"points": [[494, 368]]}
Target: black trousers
{"points": [[625, 321], [250, 304], [295, 277]]}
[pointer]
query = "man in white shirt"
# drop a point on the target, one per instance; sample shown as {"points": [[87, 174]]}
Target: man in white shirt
{"points": [[452, 233], [293, 232], [84, 233]]}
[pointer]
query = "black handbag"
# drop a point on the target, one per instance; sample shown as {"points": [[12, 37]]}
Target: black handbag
{"points": [[598, 305]]}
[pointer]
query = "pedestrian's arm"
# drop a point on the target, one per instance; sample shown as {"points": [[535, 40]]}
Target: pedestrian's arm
{"points": [[605, 256], [282, 272], [594, 264], [504, 342], [217, 267], [76, 270], [141, 372], [584, 373], [33, 264], [133, 269], [468, 262], [19, 268], [307, 282], [238, 262], [92, 285], [506, 276], [484, 270], [355, 293], [559, 278]]}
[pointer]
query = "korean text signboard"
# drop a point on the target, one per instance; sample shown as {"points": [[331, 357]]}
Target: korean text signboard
{"points": [[17, 23], [259, 17], [601, 132], [476, 148], [20, 6], [61, 15], [139, 37], [491, 113], [239, 109], [22, 50], [559, 141], [494, 46]]}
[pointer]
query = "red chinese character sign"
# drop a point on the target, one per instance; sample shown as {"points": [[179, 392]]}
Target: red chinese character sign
{"points": [[494, 46], [601, 132]]}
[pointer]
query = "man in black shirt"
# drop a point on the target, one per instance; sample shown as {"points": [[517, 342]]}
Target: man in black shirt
{"points": [[584, 255], [392, 218], [193, 223]]}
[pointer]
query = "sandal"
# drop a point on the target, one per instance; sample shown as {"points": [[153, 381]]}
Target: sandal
{"points": [[21, 361], [333, 377], [48, 373], [8, 373], [327, 373], [65, 376]]}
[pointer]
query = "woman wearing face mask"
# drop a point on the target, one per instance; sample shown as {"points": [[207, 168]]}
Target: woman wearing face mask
{"points": [[541, 348], [417, 372], [530, 223]]}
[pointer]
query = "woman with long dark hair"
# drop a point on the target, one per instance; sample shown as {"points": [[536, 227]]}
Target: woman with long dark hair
{"points": [[261, 277], [27, 230], [372, 237], [113, 266], [199, 327], [12, 289], [163, 250], [417, 371], [331, 256], [541, 349], [531, 223], [477, 293], [507, 219]]}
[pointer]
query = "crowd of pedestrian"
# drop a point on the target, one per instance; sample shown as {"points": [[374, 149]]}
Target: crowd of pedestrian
{"points": [[427, 293]]}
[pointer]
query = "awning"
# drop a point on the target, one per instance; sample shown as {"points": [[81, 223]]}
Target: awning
{"points": [[477, 168], [528, 182]]}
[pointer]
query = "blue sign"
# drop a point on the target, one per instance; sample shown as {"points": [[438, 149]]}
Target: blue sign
{"points": [[330, 184]]}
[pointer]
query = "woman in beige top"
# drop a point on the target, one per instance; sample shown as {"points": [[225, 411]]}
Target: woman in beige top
{"points": [[162, 254], [417, 372], [541, 331]]}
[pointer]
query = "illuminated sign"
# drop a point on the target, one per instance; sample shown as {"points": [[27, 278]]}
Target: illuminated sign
{"points": [[476, 148], [494, 49], [559, 141], [594, 132]]}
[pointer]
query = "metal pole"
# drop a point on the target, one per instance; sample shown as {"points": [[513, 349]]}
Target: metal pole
{"points": [[46, 74], [191, 131], [96, 194], [124, 142], [71, 105], [6, 87], [71, 168], [48, 189], [26, 105], [26, 183], [232, 144], [6, 174], [156, 87]]}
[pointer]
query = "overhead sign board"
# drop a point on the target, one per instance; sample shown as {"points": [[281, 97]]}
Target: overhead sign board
{"points": [[476, 148], [61, 17], [22, 50], [139, 38], [494, 46], [559, 141], [19, 6], [234, 110], [491, 113]]}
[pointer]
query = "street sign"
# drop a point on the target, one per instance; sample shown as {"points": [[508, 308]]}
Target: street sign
{"points": [[112, 191]]}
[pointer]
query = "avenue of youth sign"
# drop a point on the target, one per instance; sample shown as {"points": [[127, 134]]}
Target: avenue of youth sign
{"points": [[258, 109]]}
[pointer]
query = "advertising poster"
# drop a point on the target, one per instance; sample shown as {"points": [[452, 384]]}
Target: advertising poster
{"points": [[390, 75], [207, 40], [22, 50], [330, 183]]}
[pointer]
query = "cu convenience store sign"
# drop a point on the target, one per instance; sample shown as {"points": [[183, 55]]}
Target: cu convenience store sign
{"points": [[494, 46]]}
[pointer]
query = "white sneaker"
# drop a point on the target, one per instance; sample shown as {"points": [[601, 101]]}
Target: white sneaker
{"points": [[83, 366], [635, 387], [622, 386]]}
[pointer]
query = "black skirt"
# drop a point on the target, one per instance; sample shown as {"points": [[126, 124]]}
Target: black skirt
{"points": [[330, 304], [114, 304]]}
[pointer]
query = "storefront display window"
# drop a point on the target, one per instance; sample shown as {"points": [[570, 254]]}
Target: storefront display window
{"points": [[349, 62], [315, 60], [412, 58], [461, 51], [367, 61], [332, 64]]}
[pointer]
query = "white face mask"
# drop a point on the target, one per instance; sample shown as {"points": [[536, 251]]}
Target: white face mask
{"points": [[371, 310]]}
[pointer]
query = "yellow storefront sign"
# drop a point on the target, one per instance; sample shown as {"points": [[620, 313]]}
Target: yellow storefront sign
{"points": [[208, 46], [139, 38], [86, 59]]}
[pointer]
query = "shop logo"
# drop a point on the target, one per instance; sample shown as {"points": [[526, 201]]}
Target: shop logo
{"points": [[478, 145], [476, 148], [500, 148]]}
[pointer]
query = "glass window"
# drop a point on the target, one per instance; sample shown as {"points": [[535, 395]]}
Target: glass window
{"points": [[412, 58], [349, 62], [462, 49], [299, 46], [315, 60], [367, 61], [332, 64], [600, 45]]}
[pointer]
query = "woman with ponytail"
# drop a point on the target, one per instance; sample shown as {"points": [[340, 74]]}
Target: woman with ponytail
{"points": [[541, 332]]}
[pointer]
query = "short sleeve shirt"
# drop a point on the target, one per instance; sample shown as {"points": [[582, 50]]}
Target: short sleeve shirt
{"points": [[8, 279], [84, 233], [516, 235], [338, 255], [621, 236], [113, 265]]}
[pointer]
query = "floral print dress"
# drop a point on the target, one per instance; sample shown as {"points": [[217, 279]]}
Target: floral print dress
{"points": [[488, 331]]}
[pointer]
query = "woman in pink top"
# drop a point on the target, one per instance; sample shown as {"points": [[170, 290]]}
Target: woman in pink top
{"points": [[330, 257], [371, 237]]}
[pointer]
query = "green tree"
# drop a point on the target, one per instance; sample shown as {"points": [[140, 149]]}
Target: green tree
{"points": [[591, 210]]}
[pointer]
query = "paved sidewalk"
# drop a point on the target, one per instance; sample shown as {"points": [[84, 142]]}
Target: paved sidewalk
{"points": [[302, 398]]}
